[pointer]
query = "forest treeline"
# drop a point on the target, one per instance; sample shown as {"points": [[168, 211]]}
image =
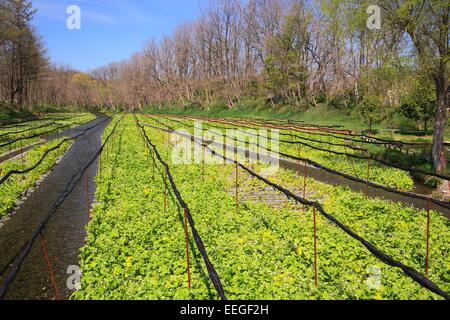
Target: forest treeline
{"points": [[297, 53]]}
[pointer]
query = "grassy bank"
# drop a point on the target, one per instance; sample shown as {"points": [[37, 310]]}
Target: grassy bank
{"points": [[320, 115], [8, 115], [326, 115], [323, 115]]}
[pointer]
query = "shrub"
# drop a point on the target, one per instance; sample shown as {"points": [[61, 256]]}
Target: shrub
{"points": [[193, 106], [344, 100], [420, 107], [321, 97], [371, 110]]}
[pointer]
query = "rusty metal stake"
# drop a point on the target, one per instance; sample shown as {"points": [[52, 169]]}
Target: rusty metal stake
{"points": [[100, 165], [237, 188], [88, 205], [154, 163], [316, 280], [203, 164], [427, 259], [368, 176], [165, 192], [187, 247], [50, 267], [305, 177]]}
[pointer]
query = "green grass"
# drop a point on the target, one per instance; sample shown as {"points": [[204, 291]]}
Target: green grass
{"points": [[10, 115], [324, 115], [320, 115]]}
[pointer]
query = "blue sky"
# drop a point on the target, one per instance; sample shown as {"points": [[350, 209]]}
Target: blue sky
{"points": [[111, 30]]}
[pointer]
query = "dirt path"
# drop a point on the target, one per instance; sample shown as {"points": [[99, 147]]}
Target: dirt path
{"points": [[64, 234]]}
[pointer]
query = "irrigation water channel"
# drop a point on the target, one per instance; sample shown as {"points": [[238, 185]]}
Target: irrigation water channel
{"points": [[333, 179], [65, 233], [44, 139]]}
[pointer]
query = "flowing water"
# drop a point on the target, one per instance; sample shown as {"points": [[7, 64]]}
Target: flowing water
{"points": [[64, 234]]}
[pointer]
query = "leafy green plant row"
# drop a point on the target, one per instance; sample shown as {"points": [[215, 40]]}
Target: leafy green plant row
{"points": [[24, 129], [377, 173], [396, 230], [135, 249], [13, 188], [414, 157], [72, 119]]}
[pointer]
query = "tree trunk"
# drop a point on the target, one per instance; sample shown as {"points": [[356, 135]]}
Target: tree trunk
{"points": [[438, 153]]}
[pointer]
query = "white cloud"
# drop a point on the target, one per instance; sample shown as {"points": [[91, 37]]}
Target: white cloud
{"points": [[94, 11], [118, 11]]}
